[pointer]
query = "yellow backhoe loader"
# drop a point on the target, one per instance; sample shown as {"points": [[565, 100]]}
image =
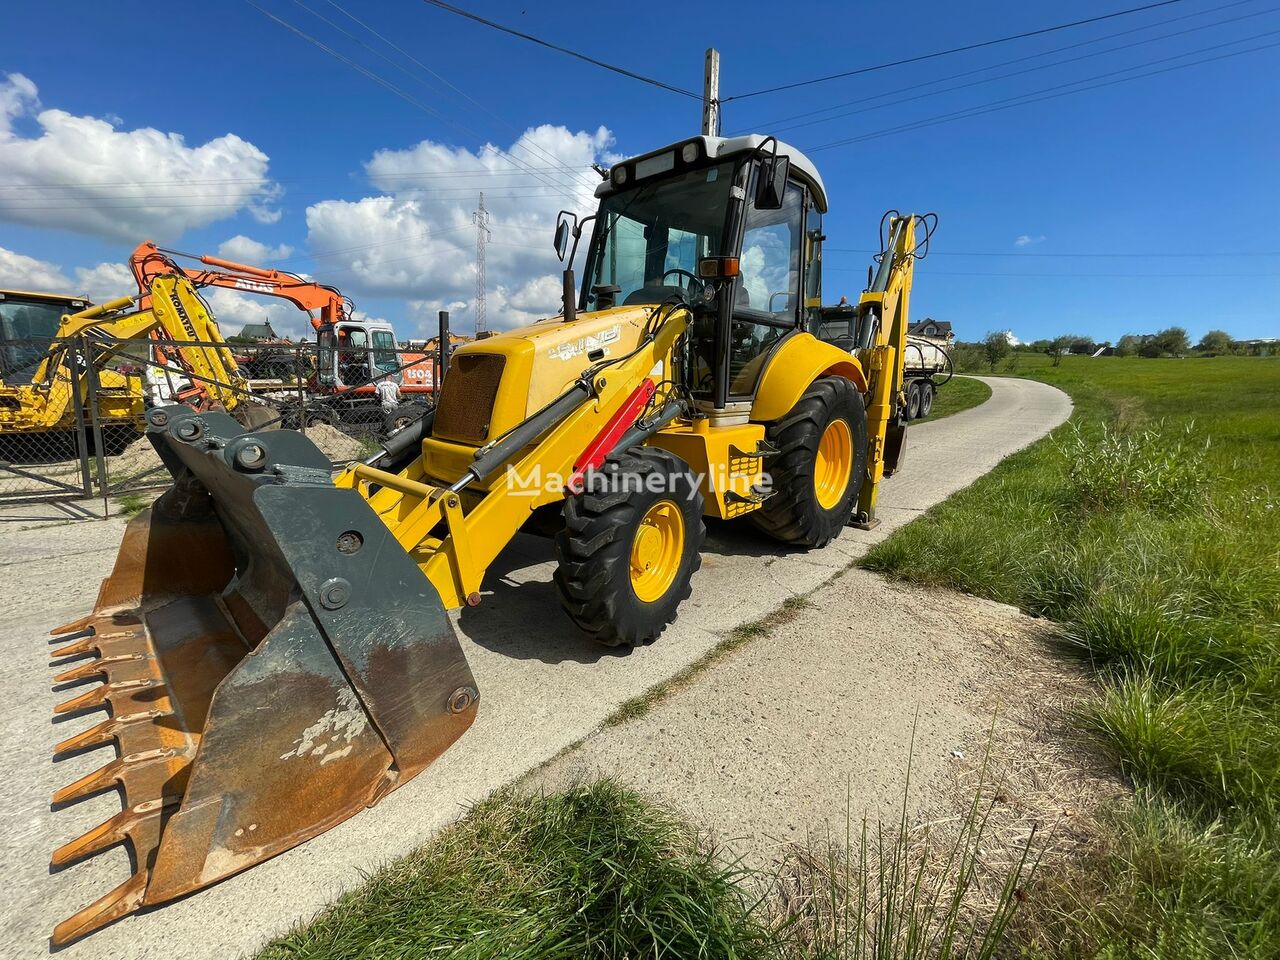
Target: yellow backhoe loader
{"points": [[275, 645]]}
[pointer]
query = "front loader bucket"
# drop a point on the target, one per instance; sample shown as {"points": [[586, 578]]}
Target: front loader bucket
{"points": [[273, 662]]}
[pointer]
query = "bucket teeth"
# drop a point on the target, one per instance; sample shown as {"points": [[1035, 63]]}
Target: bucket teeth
{"points": [[123, 900], [97, 667], [97, 781], [99, 695], [102, 733], [104, 835], [89, 644], [75, 626]]}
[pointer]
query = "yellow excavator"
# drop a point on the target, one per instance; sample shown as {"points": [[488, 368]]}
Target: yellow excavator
{"points": [[43, 370], [275, 645]]}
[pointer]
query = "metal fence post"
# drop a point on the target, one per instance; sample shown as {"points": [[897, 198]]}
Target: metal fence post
{"points": [[99, 443], [82, 437]]}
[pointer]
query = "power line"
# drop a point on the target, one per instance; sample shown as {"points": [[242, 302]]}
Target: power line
{"points": [[450, 8], [1105, 256], [532, 148], [776, 125], [381, 81], [1048, 94], [946, 53], [1015, 73]]}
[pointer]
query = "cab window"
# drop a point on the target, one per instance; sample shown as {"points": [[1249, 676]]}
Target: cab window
{"points": [[767, 299]]}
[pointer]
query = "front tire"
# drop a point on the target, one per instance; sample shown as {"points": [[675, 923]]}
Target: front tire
{"points": [[819, 467], [630, 546]]}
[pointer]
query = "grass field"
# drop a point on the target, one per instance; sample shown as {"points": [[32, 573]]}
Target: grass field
{"points": [[960, 393], [1149, 527]]}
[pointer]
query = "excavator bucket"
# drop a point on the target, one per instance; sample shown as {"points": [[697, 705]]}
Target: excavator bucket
{"points": [[272, 661]]}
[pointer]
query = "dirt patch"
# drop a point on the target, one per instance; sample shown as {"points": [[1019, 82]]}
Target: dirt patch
{"points": [[801, 733], [138, 458], [335, 444]]}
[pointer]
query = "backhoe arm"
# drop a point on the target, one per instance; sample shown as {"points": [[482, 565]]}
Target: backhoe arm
{"points": [[880, 326]]}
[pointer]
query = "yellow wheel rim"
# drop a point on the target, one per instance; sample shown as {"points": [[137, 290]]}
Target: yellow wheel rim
{"points": [[656, 551], [834, 464]]}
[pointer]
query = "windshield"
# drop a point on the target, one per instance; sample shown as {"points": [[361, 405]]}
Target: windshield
{"points": [[384, 350], [650, 238], [26, 329]]}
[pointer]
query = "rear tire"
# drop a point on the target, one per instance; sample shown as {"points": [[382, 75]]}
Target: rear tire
{"points": [[927, 390], [805, 510], [630, 546], [913, 400]]}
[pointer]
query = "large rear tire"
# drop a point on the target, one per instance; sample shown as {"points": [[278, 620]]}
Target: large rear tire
{"points": [[818, 471], [927, 389], [630, 545]]}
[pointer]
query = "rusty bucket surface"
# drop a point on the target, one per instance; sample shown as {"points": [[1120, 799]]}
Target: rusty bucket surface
{"points": [[272, 663]]}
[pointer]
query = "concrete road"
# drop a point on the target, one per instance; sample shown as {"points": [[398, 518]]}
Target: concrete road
{"points": [[544, 687]]}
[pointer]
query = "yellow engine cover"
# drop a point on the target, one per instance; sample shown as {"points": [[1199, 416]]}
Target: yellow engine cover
{"points": [[494, 384]]}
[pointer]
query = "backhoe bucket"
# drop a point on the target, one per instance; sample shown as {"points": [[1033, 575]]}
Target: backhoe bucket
{"points": [[273, 662]]}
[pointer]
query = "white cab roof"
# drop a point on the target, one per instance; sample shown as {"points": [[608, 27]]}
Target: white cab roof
{"points": [[716, 147]]}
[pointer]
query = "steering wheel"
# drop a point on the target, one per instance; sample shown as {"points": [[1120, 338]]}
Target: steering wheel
{"points": [[695, 284]]}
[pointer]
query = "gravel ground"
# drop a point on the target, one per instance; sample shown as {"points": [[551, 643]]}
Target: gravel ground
{"points": [[544, 688], [816, 724]]}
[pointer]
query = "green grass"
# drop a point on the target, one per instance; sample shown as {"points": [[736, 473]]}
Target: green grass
{"points": [[960, 393], [132, 504], [592, 872], [1150, 528], [597, 871]]}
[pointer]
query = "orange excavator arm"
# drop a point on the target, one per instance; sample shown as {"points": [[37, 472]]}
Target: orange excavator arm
{"points": [[322, 304]]}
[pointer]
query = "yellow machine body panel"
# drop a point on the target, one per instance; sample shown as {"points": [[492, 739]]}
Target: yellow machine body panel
{"points": [[495, 383], [790, 369], [727, 460]]}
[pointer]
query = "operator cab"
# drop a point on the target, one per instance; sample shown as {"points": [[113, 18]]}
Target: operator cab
{"points": [[29, 323], [729, 225], [352, 354]]}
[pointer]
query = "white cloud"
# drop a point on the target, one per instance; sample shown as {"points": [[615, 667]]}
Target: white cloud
{"points": [[1026, 240], [233, 309], [21, 272], [103, 282], [242, 249], [417, 240], [84, 174]]}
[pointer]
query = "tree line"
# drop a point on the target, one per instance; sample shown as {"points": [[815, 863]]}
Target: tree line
{"points": [[1170, 342]]}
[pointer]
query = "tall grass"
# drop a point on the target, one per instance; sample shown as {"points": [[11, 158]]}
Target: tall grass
{"points": [[592, 872], [597, 871], [899, 894], [1149, 527]]}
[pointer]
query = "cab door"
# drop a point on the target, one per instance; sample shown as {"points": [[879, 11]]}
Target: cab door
{"points": [[767, 303]]}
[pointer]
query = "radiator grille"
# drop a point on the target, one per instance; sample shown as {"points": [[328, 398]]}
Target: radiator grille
{"points": [[466, 401]]}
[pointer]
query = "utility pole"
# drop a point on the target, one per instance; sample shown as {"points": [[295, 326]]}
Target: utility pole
{"points": [[711, 95], [481, 219]]}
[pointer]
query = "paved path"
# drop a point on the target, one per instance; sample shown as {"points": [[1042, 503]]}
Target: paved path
{"points": [[544, 688]]}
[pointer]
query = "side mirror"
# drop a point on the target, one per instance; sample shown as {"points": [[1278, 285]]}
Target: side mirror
{"points": [[562, 237], [771, 182]]}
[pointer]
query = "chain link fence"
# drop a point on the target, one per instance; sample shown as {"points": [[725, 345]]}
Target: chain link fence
{"points": [[72, 412]]}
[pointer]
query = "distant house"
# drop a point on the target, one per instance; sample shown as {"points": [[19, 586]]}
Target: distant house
{"points": [[258, 332], [929, 327]]}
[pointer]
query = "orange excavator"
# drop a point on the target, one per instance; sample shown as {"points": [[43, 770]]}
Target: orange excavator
{"points": [[352, 354]]}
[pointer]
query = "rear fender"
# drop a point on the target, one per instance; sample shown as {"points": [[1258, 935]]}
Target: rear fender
{"points": [[795, 365]]}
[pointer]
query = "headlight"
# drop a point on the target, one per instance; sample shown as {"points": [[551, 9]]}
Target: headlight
{"points": [[619, 176], [689, 152]]}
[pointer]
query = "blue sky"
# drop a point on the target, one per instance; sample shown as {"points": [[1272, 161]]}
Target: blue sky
{"points": [[265, 146]]}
